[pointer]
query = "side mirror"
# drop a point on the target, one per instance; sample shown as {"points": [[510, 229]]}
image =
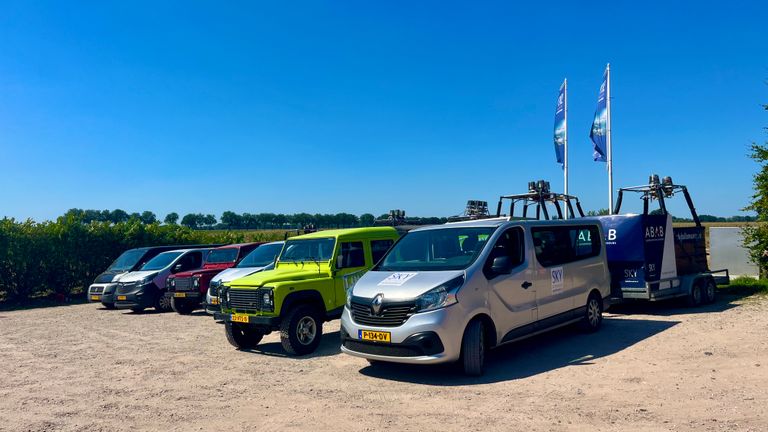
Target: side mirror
{"points": [[340, 262], [176, 268], [501, 265]]}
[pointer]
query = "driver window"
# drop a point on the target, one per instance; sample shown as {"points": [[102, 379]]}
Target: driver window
{"points": [[509, 244]]}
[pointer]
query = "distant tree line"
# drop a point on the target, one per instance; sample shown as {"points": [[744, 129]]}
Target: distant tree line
{"points": [[231, 221], [256, 221]]}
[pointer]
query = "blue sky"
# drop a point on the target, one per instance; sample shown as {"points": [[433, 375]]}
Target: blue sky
{"points": [[367, 106]]}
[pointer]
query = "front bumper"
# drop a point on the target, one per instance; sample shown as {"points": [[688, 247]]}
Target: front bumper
{"points": [[102, 293], [261, 321], [425, 338], [210, 307], [143, 297], [192, 295]]}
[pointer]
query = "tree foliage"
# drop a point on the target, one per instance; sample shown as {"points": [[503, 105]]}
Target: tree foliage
{"points": [[756, 236]]}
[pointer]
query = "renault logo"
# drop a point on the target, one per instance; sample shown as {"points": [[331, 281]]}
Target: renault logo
{"points": [[376, 304]]}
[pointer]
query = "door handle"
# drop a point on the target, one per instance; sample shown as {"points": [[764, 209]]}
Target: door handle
{"points": [[526, 285]]}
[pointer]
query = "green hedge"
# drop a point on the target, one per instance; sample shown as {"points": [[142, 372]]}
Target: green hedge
{"points": [[58, 257]]}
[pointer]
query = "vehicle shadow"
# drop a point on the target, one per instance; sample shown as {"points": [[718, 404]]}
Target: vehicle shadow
{"points": [[723, 302], [329, 346], [550, 351]]}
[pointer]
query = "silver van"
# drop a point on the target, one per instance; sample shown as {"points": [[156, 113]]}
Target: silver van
{"points": [[450, 292]]}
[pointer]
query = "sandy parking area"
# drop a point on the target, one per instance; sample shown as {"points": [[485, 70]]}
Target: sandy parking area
{"points": [[657, 368]]}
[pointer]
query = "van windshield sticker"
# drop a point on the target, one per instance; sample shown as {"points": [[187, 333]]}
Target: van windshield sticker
{"points": [[556, 274], [397, 279]]}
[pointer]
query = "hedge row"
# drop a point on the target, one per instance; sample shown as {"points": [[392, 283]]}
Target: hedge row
{"points": [[59, 257]]}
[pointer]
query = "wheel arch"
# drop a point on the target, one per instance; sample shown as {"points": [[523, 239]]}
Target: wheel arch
{"points": [[296, 298], [488, 325]]}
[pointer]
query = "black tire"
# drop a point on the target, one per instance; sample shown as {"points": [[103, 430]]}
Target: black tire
{"points": [[473, 349], [242, 336], [593, 315], [137, 309], [110, 306], [181, 306], [709, 291], [163, 302], [301, 330], [696, 295]]}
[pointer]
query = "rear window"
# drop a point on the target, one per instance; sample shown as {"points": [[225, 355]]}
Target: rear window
{"points": [[556, 245]]}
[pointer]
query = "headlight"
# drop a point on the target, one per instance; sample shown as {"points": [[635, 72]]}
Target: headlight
{"points": [[442, 296], [172, 282], [213, 288], [196, 282], [267, 299], [145, 281], [349, 297]]}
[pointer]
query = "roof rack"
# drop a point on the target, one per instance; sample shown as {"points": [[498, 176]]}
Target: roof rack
{"points": [[658, 190], [538, 196]]}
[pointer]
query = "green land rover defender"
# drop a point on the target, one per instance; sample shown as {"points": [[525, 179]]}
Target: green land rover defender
{"points": [[306, 288]]}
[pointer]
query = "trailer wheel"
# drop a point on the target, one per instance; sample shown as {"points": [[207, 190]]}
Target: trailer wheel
{"points": [[242, 337], [695, 296], [710, 290], [473, 349]]}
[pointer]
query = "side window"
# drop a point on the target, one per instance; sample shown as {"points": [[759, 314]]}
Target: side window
{"points": [[379, 248], [509, 244], [352, 255], [191, 261], [195, 260], [556, 245]]}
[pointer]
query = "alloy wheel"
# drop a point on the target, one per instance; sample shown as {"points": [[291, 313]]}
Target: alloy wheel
{"points": [[593, 313], [306, 330]]}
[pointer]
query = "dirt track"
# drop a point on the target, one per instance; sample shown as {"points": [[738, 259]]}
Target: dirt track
{"points": [[82, 368]]}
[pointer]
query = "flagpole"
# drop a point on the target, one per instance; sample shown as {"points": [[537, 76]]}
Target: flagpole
{"points": [[608, 141], [565, 145]]}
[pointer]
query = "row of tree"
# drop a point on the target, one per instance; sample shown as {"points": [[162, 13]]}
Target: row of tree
{"points": [[232, 220]]}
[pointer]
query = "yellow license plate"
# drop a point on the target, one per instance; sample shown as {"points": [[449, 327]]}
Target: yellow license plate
{"points": [[122, 298], [240, 318], [376, 336], [95, 298], [179, 294], [214, 301]]}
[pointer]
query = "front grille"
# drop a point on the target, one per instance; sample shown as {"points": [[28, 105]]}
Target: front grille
{"points": [[125, 288], [97, 289], [183, 284], [247, 301], [383, 350], [391, 315]]}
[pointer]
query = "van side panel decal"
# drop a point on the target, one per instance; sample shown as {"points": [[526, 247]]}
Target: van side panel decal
{"points": [[556, 276]]}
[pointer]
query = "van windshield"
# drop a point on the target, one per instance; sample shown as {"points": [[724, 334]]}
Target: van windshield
{"points": [[436, 249], [126, 260], [220, 256], [161, 261], [261, 256], [320, 249]]}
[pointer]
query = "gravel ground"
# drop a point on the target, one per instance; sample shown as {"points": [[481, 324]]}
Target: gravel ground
{"points": [[650, 368]]}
